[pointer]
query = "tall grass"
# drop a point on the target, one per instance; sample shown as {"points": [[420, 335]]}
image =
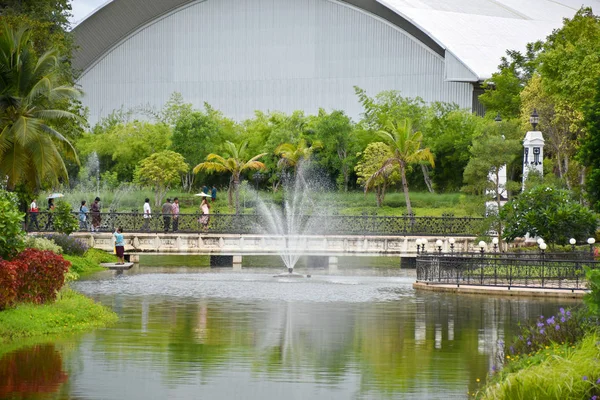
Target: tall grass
{"points": [[563, 373]]}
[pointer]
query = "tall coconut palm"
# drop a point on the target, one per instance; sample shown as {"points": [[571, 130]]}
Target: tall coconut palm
{"points": [[293, 154], [234, 162], [405, 146], [31, 150]]}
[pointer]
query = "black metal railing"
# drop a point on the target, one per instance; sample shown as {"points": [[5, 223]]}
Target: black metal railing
{"points": [[499, 269], [252, 223]]}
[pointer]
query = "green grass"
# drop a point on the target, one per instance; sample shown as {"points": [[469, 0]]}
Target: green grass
{"points": [[347, 203], [72, 312], [556, 372], [89, 263]]}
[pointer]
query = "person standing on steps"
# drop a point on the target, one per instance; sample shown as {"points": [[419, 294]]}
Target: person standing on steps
{"points": [[205, 209], [95, 211], [175, 211], [147, 215], [33, 215], [167, 211], [119, 245]]}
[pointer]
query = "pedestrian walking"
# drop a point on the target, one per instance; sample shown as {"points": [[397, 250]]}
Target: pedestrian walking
{"points": [[205, 189], [147, 215], [33, 215], [50, 223], [95, 212], [175, 212], [213, 194], [167, 212], [205, 210], [83, 211]]}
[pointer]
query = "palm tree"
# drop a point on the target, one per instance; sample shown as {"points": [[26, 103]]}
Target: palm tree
{"points": [[31, 150], [233, 162], [292, 155], [405, 146]]}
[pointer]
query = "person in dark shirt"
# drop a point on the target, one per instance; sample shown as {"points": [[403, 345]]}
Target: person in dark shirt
{"points": [[167, 211], [213, 194]]}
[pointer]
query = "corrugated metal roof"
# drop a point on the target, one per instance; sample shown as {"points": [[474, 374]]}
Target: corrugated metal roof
{"points": [[478, 32]]}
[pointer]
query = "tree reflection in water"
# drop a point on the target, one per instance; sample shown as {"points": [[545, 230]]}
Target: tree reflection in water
{"points": [[32, 370]]}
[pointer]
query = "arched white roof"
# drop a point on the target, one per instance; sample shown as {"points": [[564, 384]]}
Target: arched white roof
{"points": [[478, 32]]}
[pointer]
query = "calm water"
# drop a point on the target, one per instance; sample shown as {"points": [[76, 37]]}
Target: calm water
{"points": [[197, 333]]}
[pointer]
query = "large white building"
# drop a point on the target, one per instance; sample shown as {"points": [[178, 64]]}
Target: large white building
{"points": [[246, 55]]}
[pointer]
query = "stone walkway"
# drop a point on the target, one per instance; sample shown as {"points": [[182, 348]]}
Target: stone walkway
{"points": [[502, 290]]}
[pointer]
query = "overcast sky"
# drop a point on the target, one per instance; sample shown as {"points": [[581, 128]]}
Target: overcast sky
{"points": [[82, 8]]}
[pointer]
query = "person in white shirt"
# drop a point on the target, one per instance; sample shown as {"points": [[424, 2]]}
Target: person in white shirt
{"points": [[33, 214], [147, 215]]}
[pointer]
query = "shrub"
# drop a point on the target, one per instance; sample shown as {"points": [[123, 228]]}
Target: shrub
{"points": [[8, 283], [42, 243], [40, 274], [562, 328], [70, 245], [592, 298], [11, 229], [64, 219]]}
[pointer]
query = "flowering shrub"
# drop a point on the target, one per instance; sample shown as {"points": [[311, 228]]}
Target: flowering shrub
{"points": [[563, 328], [8, 284], [42, 243], [40, 274], [70, 245]]}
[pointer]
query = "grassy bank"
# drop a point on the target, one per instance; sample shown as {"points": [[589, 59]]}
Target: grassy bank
{"points": [[555, 372], [72, 312], [90, 262]]}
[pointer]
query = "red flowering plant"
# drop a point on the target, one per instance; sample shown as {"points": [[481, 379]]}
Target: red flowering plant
{"points": [[8, 283], [40, 275]]}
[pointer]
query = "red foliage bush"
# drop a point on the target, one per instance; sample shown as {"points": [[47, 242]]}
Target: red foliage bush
{"points": [[40, 275], [8, 283]]}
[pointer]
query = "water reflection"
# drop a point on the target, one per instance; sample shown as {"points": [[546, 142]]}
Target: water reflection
{"points": [[247, 335], [34, 372]]}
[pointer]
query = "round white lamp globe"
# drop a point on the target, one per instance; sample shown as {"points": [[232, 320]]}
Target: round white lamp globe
{"points": [[543, 246], [591, 241], [572, 241]]}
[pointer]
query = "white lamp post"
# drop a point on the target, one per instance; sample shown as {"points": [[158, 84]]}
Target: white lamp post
{"points": [[438, 244]]}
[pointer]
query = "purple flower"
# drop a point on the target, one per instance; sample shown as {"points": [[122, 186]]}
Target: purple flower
{"points": [[568, 313], [529, 343], [562, 311], [594, 398], [540, 324], [562, 319], [557, 327], [542, 331], [585, 378], [598, 381], [512, 350], [550, 321]]}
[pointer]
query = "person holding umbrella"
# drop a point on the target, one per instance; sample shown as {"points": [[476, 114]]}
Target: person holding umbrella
{"points": [[204, 210]]}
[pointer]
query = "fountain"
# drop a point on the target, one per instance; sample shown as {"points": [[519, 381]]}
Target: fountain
{"points": [[93, 169], [294, 221]]}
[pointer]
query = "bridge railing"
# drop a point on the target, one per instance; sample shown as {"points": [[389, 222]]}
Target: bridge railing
{"points": [[542, 271], [253, 223]]}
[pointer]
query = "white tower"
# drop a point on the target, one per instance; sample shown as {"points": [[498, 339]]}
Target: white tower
{"points": [[533, 156]]}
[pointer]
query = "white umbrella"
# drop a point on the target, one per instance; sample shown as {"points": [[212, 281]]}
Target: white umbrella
{"points": [[55, 196], [202, 195]]}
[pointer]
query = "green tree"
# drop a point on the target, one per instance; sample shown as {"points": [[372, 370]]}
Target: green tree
{"points": [[338, 154], [31, 150], [63, 219], [590, 149], [11, 226], [161, 170], [235, 162], [449, 133], [197, 134], [369, 164], [549, 213], [291, 156], [125, 145], [405, 146]]}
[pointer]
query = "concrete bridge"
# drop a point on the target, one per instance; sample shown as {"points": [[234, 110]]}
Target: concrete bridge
{"points": [[232, 247]]}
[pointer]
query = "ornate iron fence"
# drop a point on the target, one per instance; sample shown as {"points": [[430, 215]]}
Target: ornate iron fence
{"points": [[252, 223], [491, 269]]}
